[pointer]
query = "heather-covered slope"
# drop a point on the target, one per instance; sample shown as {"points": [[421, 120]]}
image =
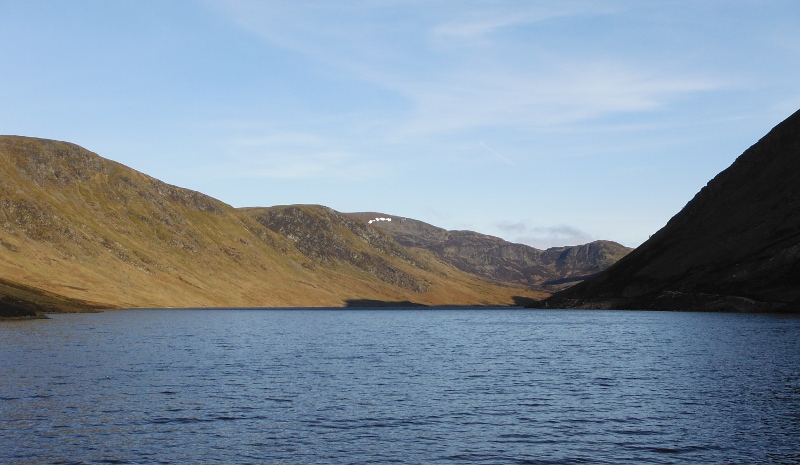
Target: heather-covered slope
{"points": [[494, 258], [76, 225], [734, 247]]}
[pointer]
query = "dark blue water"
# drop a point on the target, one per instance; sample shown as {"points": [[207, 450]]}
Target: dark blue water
{"points": [[390, 386]]}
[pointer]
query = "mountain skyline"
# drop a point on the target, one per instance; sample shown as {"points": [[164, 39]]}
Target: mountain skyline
{"points": [[494, 258], [78, 232], [614, 114]]}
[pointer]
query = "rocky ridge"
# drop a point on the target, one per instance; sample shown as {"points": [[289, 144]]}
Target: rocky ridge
{"points": [[497, 259]]}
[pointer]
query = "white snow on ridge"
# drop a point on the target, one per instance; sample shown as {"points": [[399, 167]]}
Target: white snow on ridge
{"points": [[378, 219]]}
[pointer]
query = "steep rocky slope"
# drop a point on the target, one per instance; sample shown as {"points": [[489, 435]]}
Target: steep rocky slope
{"points": [[494, 258], [734, 247], [92, 232]]}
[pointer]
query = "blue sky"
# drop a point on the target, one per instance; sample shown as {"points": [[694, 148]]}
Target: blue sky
{"points": [[547, 123]]}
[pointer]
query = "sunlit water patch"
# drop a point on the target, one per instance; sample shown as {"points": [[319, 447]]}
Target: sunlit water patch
{"points": [[400, 386]]}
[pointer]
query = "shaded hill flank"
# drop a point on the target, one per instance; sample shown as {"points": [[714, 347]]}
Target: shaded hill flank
{"points": [[76, 225], [734, 247], [19, 301], [495, 258]]}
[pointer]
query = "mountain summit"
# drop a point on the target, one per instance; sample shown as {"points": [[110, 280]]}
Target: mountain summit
{"points": [[734, 247]]}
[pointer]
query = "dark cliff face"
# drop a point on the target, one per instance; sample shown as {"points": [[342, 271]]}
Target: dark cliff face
{"points": [[495, 258], [734, 247]]}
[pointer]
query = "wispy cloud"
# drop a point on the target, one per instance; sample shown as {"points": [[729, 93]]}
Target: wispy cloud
{"points": [[288, 155], [481, 22], [497, 154], [564, 93], [396, 46]]}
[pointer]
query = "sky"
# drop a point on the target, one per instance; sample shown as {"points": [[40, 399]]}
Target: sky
{"points": [[548, 123]]}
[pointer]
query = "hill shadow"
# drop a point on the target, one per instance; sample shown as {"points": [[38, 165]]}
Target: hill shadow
{"points": [[571, 279], [371, 303], [521, 301]]}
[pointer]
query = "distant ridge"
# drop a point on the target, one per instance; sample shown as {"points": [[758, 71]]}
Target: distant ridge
{"points": [[495, 258], [734, 247]]}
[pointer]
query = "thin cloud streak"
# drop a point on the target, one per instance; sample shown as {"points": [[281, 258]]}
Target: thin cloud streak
{"points": [[574, 94], [286, 155], [460, 30], [288, 166], [494, 152], [486, 21]]}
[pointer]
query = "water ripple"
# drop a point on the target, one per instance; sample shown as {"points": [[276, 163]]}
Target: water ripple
{"points": [[472, 386]]}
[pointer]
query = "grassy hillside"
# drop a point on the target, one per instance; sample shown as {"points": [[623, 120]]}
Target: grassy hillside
{"points": [[77, 225]]}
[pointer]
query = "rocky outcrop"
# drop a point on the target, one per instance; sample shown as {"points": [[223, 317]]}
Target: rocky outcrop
{"points": [[734, 247], [495, 258], [326, 236], [584, 260]]}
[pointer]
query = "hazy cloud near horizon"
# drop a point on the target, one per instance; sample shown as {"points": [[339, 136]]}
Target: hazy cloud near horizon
{"points": [[597, 119], [543, 237]]}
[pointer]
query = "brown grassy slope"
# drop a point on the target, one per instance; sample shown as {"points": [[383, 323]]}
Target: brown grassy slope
{"points": [[734, 247], [75, 224]]}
